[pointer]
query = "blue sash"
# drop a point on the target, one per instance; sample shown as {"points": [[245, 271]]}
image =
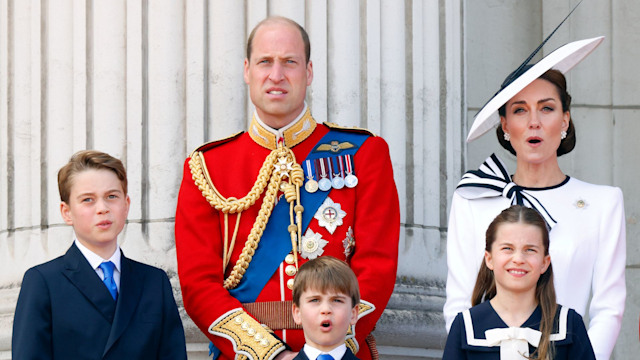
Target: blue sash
{"points": [[275, 243]]}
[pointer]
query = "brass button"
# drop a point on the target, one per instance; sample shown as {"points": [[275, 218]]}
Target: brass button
{"points": [[290, 284], [238, 320], [251, 331], [245, 326], [264, 342], [289, 259], [290, 270]]}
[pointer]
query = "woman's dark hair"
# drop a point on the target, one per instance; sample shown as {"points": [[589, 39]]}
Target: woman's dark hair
{"points": [[545, 294], [567, 144]]}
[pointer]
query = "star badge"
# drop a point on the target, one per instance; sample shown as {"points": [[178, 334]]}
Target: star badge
{"points": [[312, 245], [330, 215], [283, 167]]}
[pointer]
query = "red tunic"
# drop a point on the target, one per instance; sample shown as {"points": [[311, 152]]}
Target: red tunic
{"points": [[372, 210]]}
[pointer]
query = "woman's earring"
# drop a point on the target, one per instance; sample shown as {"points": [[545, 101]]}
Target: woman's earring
{"points": [[563, 135], [507, 137]]}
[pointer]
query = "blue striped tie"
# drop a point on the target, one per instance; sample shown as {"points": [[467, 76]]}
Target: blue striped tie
{"points": [[107, 270]]}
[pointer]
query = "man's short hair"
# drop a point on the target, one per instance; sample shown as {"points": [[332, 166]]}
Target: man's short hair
{"points": [[325, 274], [274, 19], [88, 160]]}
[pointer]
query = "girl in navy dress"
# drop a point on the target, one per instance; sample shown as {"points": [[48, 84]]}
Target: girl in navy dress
{"points": [[514, 313]]}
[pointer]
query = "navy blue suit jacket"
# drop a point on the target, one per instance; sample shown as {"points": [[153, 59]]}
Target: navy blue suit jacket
{"points": [[347, 356], [64, 311]]}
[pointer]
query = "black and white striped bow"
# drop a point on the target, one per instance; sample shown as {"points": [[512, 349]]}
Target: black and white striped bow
{"points": [[492, 179]]}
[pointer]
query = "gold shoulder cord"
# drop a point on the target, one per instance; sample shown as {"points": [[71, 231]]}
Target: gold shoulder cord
{"points": [[280, 171]]}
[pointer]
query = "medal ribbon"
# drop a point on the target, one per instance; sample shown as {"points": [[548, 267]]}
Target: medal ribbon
{"points": [[327, 165], [339, 167], [323, 169], [349, 164], [307, 164]]}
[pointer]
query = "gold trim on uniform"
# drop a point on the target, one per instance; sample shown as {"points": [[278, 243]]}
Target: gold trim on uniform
{"points": [[350, 339], [293, 136], [212, 144], [248, 337], [300, 130], [364, 308], [349, 128], [352, 344]]}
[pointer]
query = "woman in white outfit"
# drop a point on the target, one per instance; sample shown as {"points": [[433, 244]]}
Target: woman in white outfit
{"points": [[587, 221]]}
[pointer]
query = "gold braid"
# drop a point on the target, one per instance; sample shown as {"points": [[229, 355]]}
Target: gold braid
{"points": [[292, 194], [200, 175], [279, 166]]}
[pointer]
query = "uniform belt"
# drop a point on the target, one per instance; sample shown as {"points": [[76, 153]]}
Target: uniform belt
{"points": [[275, 314]]}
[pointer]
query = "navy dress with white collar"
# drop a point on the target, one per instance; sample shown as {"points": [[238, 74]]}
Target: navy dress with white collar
{"points": [[467, 338]]}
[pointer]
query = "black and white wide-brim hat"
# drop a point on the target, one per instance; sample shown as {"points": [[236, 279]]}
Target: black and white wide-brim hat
{"points": [[562, 59]]}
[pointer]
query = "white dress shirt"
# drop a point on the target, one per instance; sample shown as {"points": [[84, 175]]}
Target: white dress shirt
{"points": [[95, 260], [337, 353]]}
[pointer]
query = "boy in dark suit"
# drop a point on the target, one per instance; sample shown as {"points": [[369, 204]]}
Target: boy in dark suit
{"points": [[93, 302], [325, 302]]}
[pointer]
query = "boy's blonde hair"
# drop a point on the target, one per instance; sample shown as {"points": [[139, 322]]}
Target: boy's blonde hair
{"points": [[86, 160], [326, 273]]}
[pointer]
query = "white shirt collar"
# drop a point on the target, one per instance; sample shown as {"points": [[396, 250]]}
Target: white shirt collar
{"points": [[95, 260], [279, 133], [337, 353]]}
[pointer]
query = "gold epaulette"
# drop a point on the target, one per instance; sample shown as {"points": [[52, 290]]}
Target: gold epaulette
{"points": [[334, 126], [249, 337], [211, 144]]}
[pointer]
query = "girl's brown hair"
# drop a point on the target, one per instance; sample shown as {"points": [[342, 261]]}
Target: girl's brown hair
{"points": [[485, 288]]}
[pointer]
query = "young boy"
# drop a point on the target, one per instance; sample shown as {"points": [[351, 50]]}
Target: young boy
{"points": [[93, 302], [325, 303]]}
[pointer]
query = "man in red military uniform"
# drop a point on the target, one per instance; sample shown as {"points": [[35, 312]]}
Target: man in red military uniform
{"points": [[255, 206]]}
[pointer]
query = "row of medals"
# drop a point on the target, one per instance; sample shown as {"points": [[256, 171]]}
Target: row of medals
{"points": [[329, 179]]}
